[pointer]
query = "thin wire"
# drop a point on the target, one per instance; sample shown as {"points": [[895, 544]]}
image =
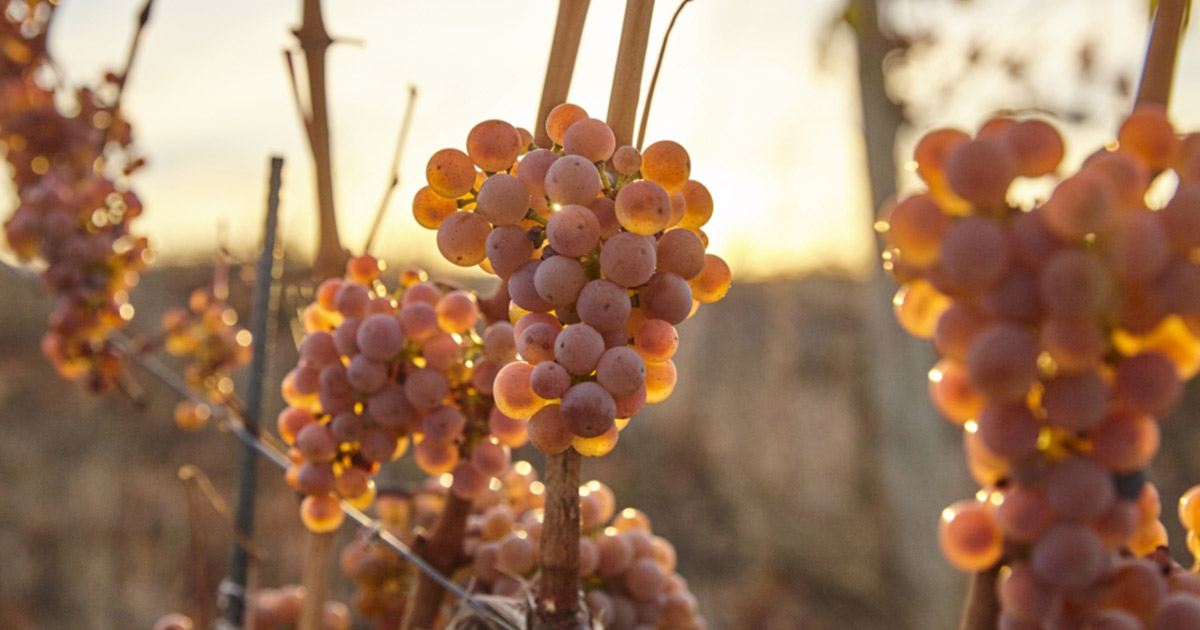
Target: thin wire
{"points": [[234, 422]]}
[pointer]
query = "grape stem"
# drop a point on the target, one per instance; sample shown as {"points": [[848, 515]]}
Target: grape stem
{"points": [[1159, 69], [315, 578], [558, 606], [662, 51], [143, 19], [394, 180], [443, 549], [981, 609], [568, 30]]}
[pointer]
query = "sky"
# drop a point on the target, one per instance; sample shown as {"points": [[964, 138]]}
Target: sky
{"points": [[761, 92]]}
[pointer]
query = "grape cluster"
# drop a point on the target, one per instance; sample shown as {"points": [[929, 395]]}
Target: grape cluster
{"points": [[207, 334], [1065, 330], [601, 252], [73, 208], [279, 609], [379, 369], [627, 573]]}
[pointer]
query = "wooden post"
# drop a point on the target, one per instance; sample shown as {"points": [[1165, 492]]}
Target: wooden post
{"points": [[563, 50], [627, 76]]}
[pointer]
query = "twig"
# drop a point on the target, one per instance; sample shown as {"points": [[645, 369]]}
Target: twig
{"points": [[395, 171], [662, 52], [260, 329], [194, 478], [558, 606], [1159, 69], [627, 76], [143, 19], [314, 41], [560, 68]]}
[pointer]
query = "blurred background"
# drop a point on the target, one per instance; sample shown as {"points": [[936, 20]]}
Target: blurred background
{"points": [[798, 467]]}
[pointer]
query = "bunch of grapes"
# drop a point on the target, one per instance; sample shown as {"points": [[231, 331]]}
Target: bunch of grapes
{"points": [[207, 334], [601, 251], [280, 608], [1065, 331], [74, 207], [377, 369]]}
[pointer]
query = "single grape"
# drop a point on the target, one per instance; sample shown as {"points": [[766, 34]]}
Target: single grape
{"points": [[627, 160], [667, 164], [462, 238], [572, 179], [430, 208], [643, 207], [503, 200], [450, 173], [493, 145], [560, 119], [628, 260], [573, 231], [591, 138], [604, 306]]}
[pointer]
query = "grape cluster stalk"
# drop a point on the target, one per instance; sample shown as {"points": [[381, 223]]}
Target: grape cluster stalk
{"points": [[69, 165], [1066, 331], [627, 573], [601, 252]]}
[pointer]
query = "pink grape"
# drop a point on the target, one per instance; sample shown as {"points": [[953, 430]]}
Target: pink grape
{"points": [[462, 238], [508, 247], [1079, 489], [548, 432], [537, 343], [425, 388], [1068, 556], [603, 305], [523, 291], [572, 179], [667, 297], [573, 231], [549, 380], [503, 200], [379, 337], [532, 170], [680, 252], [621, 371], [591, 138], [1002, 362], [627, 259], [643, 207], [578, 348], [418, 321], [559, 279], [389, 406]]}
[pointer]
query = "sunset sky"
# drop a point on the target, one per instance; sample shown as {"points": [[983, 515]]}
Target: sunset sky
{"points": [[757, 90]]}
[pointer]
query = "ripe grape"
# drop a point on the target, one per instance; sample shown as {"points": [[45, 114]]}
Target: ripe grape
{"points": [[573, 231], [430, 209], [493, 145], [560, 119], [532, 170], [1002, 362], [713, 282], [550, 380], [1068, 556], [667, 164], [1147, 133], [462, 238], [503, 199], [627, 160], [667, 297], [969, 537], [591, 138], [450, 173], [981, 170], [643, 207], [578, 348], [1036, 145], [572, 179], [628, 260], [656, 340], [548, 432]]}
